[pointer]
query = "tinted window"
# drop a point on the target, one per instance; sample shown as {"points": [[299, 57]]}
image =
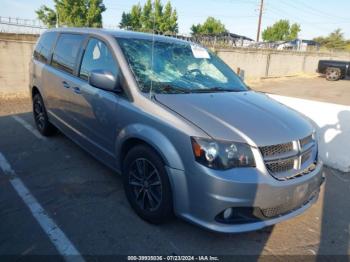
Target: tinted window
{"points": [[97, 57], [43, 48], [66, 52]]}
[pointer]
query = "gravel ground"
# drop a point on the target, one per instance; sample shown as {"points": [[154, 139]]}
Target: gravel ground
{"points": [[15, 105], [313, 88]]}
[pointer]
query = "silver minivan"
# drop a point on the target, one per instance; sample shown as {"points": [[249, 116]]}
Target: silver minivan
{"points": [[187, 135]]}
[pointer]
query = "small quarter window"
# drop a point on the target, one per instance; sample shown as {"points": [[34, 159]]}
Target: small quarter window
{"points": [[97, 57], [43, 48], [66, 52]]}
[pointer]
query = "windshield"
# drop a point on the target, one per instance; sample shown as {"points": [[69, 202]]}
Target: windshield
{"points": [[178, 68]]}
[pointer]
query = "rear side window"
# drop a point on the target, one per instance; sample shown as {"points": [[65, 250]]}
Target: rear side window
{"points": [[97, 57], [66, 52], [43, 48]]}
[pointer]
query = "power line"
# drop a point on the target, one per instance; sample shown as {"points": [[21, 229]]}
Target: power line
{"points": [[332, 16], [276, 11], [310, 10]]}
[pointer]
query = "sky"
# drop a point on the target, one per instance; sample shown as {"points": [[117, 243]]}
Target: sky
{"points": [[316, 17]]}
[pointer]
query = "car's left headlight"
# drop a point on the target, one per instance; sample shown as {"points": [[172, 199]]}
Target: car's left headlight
{"points": [[222, 154]]}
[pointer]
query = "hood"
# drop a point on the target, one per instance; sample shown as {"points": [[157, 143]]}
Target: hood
{"points": [[239, 116]]}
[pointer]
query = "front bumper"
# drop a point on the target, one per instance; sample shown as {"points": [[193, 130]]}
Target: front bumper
{"points": [[201, 194]]}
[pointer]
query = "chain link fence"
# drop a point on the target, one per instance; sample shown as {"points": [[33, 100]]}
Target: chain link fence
{"points": [[21, 26]]}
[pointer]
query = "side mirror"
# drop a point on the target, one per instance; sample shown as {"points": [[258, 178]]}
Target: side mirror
{"points": [[242, 75], [104, 80]]}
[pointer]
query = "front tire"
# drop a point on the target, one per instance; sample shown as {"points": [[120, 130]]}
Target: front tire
{"points": [[147, 185], [40, 117], [333, 74]]}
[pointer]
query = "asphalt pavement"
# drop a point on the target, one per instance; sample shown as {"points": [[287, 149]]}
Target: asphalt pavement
{"points": [[85, 201]]}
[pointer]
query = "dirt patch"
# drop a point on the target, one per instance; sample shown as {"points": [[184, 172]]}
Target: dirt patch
{"points": [[307, 87], [263, 81], [14, 106]]}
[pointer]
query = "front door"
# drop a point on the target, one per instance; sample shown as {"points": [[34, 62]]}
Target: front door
{"points": [[95, 110]]}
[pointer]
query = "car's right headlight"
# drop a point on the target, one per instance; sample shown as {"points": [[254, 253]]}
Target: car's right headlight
{"points": [[222, 154]]}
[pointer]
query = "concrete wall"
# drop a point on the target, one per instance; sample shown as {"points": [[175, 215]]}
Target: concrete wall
{"points": [[14, 67], [332, 124], [284, 64], [18, 37], [253, 63], [273, 63]]}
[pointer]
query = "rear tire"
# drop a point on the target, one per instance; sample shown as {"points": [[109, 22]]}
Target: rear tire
{"points": [[147, 185], [40, 117], [333, 74]]}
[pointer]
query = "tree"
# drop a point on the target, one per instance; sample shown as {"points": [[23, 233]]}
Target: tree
{"points": [[158, 15], [95, 8], [126, 20], [334, 40], [147, 15], [79, 13], [47, 16], [211, 26], [294, 31], [173, 22], [135, 16], [281, 31], [168, 23], [162, 19]]}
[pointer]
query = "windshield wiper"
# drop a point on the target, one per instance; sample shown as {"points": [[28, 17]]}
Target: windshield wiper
{"points": [[170, 88], [213, 89]]}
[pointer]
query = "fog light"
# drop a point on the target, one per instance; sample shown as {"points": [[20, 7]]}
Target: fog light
{"points": [[228, 213]]}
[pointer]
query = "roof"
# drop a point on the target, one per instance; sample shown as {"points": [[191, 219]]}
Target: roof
{"points": [[295, 41], [232, 35], [240, 37], [119, 33]]}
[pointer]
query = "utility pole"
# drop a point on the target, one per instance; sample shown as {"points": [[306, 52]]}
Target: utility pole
{"points": [[57, 21], [259, 22]]}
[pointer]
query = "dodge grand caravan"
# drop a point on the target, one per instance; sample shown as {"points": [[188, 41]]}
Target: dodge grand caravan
{"points": [[187, 135]]}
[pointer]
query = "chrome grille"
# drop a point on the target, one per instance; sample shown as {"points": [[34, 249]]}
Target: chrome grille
{"points": [[290, 160], [276, 149], [305, 141], [305, 157], [280, 166]]}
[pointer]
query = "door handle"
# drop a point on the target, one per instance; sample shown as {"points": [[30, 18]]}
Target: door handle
{"points": [[77, 90], [65, 84]]}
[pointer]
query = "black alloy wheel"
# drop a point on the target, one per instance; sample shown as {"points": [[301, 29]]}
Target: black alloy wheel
{"points": [[40, 117], [147, 185]]}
